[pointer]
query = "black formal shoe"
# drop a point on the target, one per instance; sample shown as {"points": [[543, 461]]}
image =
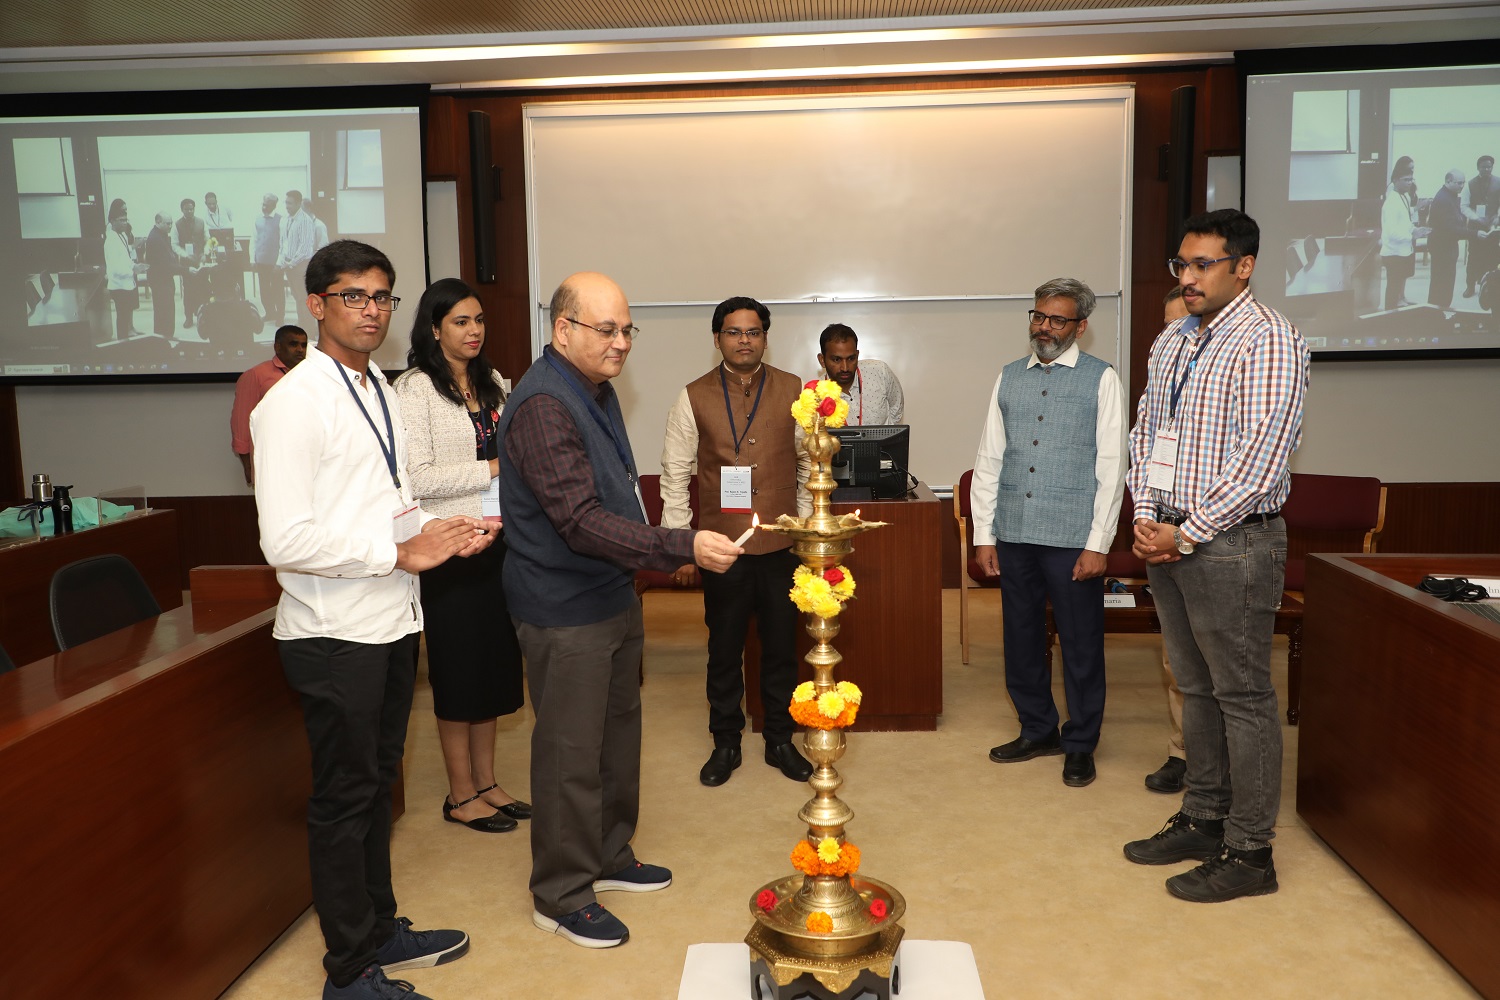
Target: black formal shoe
{"points": [[791, 763], [721, 763], [515, 810], [1078, 769], [1021, 748], [1168, 777], [493, 823]]}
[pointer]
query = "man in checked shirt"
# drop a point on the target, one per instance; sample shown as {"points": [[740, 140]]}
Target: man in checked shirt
{"points": [[1209, 454]]}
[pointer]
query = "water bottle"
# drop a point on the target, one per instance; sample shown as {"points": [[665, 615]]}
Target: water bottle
{"points": [[62, 510]]}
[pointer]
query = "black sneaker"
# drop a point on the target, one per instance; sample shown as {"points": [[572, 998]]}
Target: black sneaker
{"points": [[637, 877], [591, 927], [1182, 839], [1228, 876], [1169, 777], [372, 985], [1021, 748], [409, 949]]}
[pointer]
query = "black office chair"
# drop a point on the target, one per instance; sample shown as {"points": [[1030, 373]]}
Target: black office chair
{"points": [[96, 596]]}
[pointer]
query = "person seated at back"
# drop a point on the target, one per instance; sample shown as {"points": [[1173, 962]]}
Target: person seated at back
{"points": [[869, 387]]}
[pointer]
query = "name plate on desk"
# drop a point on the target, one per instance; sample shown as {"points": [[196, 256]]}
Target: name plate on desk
{"points": [[1119, 600]]}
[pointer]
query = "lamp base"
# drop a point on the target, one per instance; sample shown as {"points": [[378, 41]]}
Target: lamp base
{"points": [[777, 973]]}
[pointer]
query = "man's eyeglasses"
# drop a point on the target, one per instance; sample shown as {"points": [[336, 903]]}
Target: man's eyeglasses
{"points": [[609, 332], [1199, 267], [754, 333], [384, 301], [1052, 322]]}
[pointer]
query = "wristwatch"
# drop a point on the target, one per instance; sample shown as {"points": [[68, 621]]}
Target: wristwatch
{"points": [[1183, 545]]}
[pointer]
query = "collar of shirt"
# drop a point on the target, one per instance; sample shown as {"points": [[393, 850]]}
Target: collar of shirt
{"points": [[330, 368], [1068, 358], [1225, 318], [601, 391]]}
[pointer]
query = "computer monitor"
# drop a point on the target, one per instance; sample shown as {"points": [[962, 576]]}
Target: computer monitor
{"points": [[873, 456]]}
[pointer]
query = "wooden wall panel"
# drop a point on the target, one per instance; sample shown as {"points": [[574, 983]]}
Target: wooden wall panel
{"points": [[214, 531], [1441, 517]]}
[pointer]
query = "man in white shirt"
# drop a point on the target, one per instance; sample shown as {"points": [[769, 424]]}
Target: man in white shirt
{"points": [[298, 243], [1399, 233], [338, 522], [216, 217], [869, 387], [1048, 481]]}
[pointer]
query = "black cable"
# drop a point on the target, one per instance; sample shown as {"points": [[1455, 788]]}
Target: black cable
{"points": [[1453, 589]]}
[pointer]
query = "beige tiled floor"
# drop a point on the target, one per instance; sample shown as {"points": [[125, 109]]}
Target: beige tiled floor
{"points": [[1007, 858]]}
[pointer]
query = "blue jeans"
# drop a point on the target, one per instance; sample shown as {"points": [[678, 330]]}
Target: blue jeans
{"points": [[1218, 610]]}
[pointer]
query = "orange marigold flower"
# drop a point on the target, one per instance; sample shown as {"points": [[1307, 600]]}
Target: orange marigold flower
{"points": [[819, 923], [805, 859]]}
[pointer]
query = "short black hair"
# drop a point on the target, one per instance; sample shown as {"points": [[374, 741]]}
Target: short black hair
{"points": [[1483, 159], [1240, 233], [836, 331], [345, 257], [1175, 293], [283, 332], [186, 202], [735, 305]]}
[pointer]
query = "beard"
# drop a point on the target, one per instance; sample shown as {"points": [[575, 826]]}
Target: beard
{"points": [[1050, 350]]}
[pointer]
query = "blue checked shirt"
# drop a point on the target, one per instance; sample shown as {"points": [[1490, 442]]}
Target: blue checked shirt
{"points": [[1239, 416]]}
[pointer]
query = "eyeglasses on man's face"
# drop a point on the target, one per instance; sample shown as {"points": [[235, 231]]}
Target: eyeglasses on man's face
{"points": [[1199, 267], [754, 333], [384, 301], [1051, 322], [609, 332]]}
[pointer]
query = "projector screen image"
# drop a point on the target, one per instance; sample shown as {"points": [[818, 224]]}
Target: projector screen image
{"points": [[174, 246], [1378, 205]]}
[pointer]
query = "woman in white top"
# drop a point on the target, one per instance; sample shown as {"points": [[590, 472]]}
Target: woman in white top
{"points": [[451, 398]]}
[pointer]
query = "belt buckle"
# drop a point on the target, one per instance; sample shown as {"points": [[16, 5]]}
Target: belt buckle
{"points": [[1167, 514]]}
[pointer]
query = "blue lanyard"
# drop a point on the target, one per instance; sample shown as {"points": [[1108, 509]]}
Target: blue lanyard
{"points": [[600, 417], [1192, 363], [389, 453], [724, 383]]}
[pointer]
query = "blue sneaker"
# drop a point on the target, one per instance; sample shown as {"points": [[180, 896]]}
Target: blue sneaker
{"points": [[409, 949], [592, 927], [372, 985], [636, 878]]}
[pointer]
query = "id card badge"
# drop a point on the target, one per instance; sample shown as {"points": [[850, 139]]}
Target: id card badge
{"points": [[405, 522], [734, 489], [489, 502], [1163, 465]]}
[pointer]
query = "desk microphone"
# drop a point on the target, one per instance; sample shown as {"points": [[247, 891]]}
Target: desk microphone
{"points": [[1115, 586]]}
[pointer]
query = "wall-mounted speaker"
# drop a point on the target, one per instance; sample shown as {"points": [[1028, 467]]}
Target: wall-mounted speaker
{"points": [[484, 191], [1180, 166]]}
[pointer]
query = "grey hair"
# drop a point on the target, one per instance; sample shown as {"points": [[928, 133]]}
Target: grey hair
{"points": [[1068, 288]]}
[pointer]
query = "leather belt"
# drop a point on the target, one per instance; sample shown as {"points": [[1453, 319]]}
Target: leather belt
{"points": [[1166, 515]]}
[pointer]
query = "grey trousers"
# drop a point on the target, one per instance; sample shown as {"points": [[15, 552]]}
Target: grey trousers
{"points": [[585, 754], [1218, 611]]}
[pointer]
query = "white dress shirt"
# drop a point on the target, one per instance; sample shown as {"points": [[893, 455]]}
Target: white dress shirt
{"points": [[875, 396], [1109, 459], [298, 240], [325, 501]]}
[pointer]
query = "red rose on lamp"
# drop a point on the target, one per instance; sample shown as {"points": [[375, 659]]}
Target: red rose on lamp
{"points": [[877, 910], [766, 900], [834, 576], [827, 406]]}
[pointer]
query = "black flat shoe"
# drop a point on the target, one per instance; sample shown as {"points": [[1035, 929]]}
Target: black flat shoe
{"points": [[515, 810], [719, 766], [785, 758], [493, 823]]}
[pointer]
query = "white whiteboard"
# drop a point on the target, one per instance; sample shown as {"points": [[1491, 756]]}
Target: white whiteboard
{"points": [[922, 220]]}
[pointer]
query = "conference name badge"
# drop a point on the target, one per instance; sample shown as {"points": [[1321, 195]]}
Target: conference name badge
{"points": [[489, 503], [1163, 465], [406, 522], [734, 489]]}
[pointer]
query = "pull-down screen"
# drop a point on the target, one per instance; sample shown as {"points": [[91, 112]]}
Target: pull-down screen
{"points": [[175, 245]]}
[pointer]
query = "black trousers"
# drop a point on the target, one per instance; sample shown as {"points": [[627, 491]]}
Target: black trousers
{"points": [[125, 301], [356, 699], [758, 585], [272, 292], [1030, 575]]}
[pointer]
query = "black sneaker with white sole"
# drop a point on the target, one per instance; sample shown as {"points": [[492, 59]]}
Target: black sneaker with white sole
{"points": [[591, 927], [372, 985], [409, 949], [637, 877]]}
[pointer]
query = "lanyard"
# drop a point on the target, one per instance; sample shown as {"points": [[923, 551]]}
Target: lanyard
{"points": [[1192, 363], [595, 411], [389, 453], [859, 380], [724, 383]]}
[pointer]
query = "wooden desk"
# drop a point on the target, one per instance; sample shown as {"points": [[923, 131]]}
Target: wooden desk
{"points": [[891, 634], [148, 539], [153, 784], [1398, 762]]}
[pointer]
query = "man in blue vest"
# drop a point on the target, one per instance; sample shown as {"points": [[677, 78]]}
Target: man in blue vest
{"points": [[1048, 480], [576, 530]]}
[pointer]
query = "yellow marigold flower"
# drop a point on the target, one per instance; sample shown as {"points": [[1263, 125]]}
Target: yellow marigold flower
{"points": [[844, 589], [826, 607], [828, 850], [840, 414], [849, 690], [831, 703], [804, 691], [820, 923], [828, 387]]}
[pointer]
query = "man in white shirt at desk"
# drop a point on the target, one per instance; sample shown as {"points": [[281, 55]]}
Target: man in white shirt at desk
{"points": [[869, 387]]}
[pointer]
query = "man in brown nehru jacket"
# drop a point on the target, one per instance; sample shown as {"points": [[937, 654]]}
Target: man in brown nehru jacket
{"points": [[735, 426]]}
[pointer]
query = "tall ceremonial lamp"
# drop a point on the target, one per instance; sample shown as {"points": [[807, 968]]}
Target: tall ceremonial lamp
{"points": [[825, 933]]}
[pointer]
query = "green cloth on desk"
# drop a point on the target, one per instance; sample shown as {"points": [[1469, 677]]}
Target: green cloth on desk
{"points": [[87, 511]]}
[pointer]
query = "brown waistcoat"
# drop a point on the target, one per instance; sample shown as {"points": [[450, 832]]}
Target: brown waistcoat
{"points": [[768, 447]]}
